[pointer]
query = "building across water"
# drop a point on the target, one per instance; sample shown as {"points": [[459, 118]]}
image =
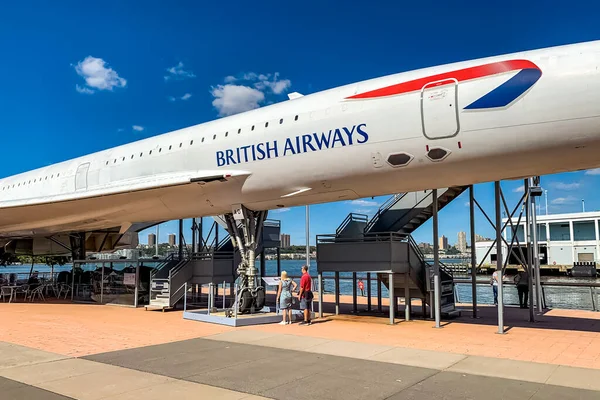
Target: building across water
{"points": [[564, 240]]}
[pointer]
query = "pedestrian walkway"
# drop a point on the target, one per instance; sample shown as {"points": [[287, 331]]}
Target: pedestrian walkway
{"points": [[58, 351]]}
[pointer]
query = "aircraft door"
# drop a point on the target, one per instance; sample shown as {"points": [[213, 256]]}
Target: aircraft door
{"points": [[81, 177], [439, 109]]}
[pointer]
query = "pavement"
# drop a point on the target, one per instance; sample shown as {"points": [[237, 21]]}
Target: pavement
{"points": [[61, 351]]}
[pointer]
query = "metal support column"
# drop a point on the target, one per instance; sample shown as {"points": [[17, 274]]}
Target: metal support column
{"points": [[436, 261], [337, 293], [194, 228], [137, 283], [263, 264], [354, 294], [536, 258], [473, 250], [406, 298], [278, 261], [379, 295], [499, 257], [180, 239], [529, 247], [368, 291], [320, 277], [392, 297]]}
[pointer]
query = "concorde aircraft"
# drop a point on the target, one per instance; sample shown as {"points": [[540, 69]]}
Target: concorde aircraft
{"points": [[506, 117]]}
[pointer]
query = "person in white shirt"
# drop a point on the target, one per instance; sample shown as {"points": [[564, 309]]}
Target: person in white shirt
{"points": [[494, 283]]}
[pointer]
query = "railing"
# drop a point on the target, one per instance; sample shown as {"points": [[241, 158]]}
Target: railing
{"points": [[389, 203], [367, 237], [222, 243], [562, 295], [351, 218], [166, 261], [409, 210]]}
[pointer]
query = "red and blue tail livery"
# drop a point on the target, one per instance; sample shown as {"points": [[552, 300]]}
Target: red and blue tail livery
{"points": [[502, 96]]}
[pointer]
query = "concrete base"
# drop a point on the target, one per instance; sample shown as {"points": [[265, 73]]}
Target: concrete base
{"points": [[267, 315]]}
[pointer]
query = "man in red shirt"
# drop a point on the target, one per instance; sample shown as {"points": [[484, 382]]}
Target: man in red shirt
{"points": [[306, 295]]}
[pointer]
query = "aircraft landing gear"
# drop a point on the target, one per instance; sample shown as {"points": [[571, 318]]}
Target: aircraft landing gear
{"points": [[245, 228]]}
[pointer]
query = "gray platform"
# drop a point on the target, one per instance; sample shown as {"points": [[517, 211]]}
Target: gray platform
{"points": [[267, 315]]}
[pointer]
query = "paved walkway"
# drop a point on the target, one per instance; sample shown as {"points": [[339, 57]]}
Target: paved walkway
{"points": [[59, 351]]}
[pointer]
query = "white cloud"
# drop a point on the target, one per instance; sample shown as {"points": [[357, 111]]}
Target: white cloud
{"points": [[595, 171], [120, 130], [178, 72], [232, 99], [281, 210], [97, 75], [520, 189], [565, 186], [564, 200], [137, 128], [364, 203], [467, 204], [246, 92], [184, 97], [83, 90]]}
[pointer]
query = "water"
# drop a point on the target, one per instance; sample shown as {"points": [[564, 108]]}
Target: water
{"points": [[555, 297]]}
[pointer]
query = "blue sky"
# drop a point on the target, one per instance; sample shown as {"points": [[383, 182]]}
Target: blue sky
{"points": [[81, 77]]}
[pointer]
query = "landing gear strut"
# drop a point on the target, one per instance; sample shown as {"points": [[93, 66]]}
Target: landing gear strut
{"points": [[245, 227]]}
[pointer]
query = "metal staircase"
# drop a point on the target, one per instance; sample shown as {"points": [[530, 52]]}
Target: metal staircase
{"points": [[404, 213], [215, 262], [420, 280], [384, 245]]}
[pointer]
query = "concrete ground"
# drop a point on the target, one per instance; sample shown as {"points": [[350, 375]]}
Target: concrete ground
{"points": [[59, 351]]}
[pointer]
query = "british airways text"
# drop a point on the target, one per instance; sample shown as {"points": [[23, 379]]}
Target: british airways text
{"points": [[339, 137]]}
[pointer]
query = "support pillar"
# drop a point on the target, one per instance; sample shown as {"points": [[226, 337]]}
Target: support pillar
{"points": [[436, 261], [499, 257], [406, 298], [530, 272], [379, 295], [194, 229], [278, 261], [536, 258], [337, 293], [263, 265], [368, 291], [180, 239], [392, 297], [354, 294], [473, 250], [320, 277]]}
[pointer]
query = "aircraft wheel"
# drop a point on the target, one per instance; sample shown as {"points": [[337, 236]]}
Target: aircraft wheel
{"points": [[259, 297], [245, 301]]}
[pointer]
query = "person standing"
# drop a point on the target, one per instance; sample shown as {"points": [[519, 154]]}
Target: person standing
{"points": [[495, 286], [522, 282], [306, 295], [285, 297], [361, 287]]}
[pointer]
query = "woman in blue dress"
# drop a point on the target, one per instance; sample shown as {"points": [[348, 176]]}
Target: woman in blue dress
{"points": [[284, 297]]}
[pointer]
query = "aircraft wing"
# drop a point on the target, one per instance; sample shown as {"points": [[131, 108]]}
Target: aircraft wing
{"points": [[127, 206], [125, 186]]}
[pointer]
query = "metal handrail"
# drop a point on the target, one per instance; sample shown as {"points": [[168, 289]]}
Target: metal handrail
{"points": [[178, 267], [389, 203], [367, 237], [351, 217], [223, 241], [412, 208], [163, 264]]}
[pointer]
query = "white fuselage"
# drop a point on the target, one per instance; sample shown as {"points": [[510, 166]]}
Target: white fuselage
{"points": [[553, 126]]}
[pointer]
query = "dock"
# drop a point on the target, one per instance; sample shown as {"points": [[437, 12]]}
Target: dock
{"points": [[65, 350]]}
